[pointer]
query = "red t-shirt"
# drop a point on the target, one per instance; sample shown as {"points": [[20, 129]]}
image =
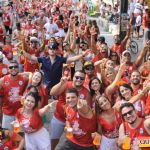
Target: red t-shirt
{"points": [[138, 132], [117, 48], [32, 124], [30, 65], [60, 113], [13, 91], [82, 128], [7, 21]]}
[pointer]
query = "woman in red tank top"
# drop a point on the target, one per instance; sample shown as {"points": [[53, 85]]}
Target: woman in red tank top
{"points": [[30, 119], [108, 123]]}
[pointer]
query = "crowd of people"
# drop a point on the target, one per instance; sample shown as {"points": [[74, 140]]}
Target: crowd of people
{"points": [[53, 59]]}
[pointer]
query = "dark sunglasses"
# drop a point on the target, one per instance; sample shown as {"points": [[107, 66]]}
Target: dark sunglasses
{"points": [[89, 68], [78, 77], [11, 67], [34, 42], [128, 113], [113, 55]]}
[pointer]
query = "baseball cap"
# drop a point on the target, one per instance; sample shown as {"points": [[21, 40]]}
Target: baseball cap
{"points": [[88, 63], [34, 39], [53, 46], [126, 52]]}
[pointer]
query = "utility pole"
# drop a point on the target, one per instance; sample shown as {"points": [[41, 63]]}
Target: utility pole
{"points": [[123, 18]]}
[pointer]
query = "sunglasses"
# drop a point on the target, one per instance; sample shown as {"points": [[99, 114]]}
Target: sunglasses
{"points": [[34, 42], [11, 67], [128, 113], [114, 55], [89, 68], [78, 77]]}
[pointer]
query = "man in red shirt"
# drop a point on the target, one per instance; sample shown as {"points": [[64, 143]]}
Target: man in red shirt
{"points": [[13, 86], [59, 118], [134, 127], [119, 46]]}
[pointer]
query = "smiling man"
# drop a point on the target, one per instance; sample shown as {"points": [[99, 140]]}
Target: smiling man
{"points": [[133, 127]]}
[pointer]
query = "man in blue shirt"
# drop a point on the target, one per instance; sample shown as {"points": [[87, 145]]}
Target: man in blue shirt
{"points": [[52, 64]]}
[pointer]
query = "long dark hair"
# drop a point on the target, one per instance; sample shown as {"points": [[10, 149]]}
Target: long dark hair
{"points": [[41, 77], [36, 96], [126, 86], [101, 86]]}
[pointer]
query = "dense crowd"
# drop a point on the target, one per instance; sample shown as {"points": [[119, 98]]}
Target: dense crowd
{"points": [[54, 59]]}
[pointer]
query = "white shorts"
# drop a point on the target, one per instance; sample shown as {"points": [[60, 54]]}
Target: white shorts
{"points": [[108, 144], [57, 128], [7, 120], [39, 140]]}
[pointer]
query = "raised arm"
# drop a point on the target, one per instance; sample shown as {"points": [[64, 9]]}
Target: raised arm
{"points": [[46, 108], [111, 87], [77, 57], [139, 59], [59, 88]]}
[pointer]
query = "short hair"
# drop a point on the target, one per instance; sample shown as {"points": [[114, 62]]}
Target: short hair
{"points": [[80, 71], [72, 90], [127, 104], [14, 62]]}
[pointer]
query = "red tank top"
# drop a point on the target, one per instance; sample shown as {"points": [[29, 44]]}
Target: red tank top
{"points": [[13, 90], [82, 127], [59, 113], [136, 133], [30, 65], [32, 124], [117, 48], [110, 130]]}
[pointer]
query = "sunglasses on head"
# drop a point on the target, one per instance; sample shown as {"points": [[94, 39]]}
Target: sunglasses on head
{"points": [[78, 77], [11, 67], [128, 113]]}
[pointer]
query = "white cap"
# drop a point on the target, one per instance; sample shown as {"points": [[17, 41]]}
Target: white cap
{"points": [[146, 7], [125, 52]]}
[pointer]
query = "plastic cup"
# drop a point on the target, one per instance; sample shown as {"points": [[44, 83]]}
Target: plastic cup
{"points": [[97, 139], [16, 127], [69, 132], [126, 144]]}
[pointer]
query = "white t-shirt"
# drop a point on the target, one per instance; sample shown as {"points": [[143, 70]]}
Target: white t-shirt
{"points": [[50, 28], [138, 8], [138, 20]]}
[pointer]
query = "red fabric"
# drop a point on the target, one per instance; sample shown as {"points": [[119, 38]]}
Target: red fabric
{"points": [[3, 70], [29, 65], [32, 124], [145, 21], [60, 113], [117, 48], [140, 131], [8, 52], [7, 21], [82, 128], [110, 130], [13, 90], [1, 34], [10, 143]]}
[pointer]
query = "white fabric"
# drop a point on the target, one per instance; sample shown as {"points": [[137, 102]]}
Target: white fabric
{"points": [[108, 144], [49, 29], [138, 20], [138, 8], [39, 140]]}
